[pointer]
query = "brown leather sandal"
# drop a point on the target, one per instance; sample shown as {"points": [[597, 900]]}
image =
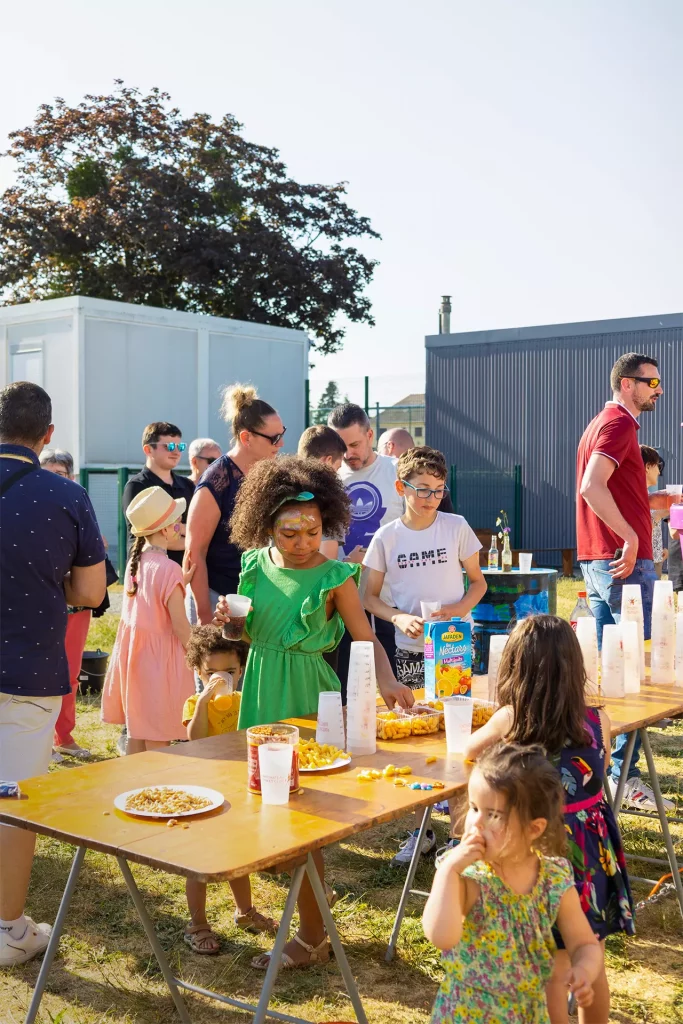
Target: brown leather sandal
{"points": [[197, 936], [316, 955], [255, 922]]}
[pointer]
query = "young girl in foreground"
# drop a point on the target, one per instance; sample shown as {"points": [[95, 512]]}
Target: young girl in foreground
{"points": [[147, 681], [496, 897], [542, 690], [301, 602]]}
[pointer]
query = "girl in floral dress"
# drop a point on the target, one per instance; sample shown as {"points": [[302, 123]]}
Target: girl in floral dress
{"points": [[497, 895], [542, 690]]}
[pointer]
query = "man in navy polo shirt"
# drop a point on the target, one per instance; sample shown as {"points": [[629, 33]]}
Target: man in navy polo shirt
{"points": [[51, 556]]}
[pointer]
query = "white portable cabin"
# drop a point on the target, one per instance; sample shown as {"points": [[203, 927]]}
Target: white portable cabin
{"points": [[112, 367]]}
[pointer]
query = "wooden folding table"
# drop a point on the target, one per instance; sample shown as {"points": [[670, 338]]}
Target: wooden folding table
{"points": [[241, 837]]}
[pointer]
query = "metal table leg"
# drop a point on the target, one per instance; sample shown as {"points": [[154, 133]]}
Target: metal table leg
{"points": [[279, 945], [668, 842], [333, 934], [412, 868], [49, 954], [154, 941], [628, 753]]}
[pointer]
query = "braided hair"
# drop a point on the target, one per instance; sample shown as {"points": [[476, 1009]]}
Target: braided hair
{"points": [[133, 565]]}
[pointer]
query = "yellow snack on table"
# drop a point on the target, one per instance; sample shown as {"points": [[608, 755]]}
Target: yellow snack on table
{"points": [[482, 711], [393, 726], [430, 760], [424, 722], [398, 781], [405, 770], [389, 771], [375, 774], [318, 755], [437, 705]]}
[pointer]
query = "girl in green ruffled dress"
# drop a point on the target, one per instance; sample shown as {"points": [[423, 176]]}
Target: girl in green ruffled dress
{"points": [[301, 602]]}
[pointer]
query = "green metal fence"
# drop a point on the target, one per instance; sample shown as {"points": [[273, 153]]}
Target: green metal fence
{"points": [[480, 494]]}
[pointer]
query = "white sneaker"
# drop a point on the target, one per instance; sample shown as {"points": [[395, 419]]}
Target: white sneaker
{"points": [[74, 751], [638, 795], [443, 851], [407, 849], [121, 742], [17, 950]]}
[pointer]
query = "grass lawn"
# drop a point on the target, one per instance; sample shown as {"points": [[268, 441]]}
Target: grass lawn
{"points": [[105, 972]]}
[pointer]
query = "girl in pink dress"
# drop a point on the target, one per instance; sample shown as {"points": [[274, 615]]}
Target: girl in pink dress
{"points": [[147, 680]]}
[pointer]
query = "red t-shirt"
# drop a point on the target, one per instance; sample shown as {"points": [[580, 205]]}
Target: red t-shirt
{"points": [[613, 433]]}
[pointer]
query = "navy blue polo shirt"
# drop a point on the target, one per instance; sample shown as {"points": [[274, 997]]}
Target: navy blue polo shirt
{"points": [[47, 525]]}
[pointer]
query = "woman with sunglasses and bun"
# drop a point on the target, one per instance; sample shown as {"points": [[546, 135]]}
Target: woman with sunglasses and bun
{"points": [[258, 434]]}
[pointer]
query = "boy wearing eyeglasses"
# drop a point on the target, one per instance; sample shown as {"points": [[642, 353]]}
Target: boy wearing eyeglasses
{"points": [[163, 447], [421, 556]]}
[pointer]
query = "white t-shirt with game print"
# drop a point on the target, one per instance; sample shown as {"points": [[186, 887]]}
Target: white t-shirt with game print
{"points": [[422, 565]]}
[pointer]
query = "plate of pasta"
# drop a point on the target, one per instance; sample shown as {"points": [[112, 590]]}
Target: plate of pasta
{"points": [[168, 801], [317, 757]]}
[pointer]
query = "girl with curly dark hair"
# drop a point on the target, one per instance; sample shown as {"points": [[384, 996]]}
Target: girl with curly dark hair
{"points": [[301, 602]]}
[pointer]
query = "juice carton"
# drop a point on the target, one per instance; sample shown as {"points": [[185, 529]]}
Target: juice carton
{"points": [[448, 659]]}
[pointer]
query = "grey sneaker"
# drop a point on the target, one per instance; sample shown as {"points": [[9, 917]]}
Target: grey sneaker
{"points": [[638, 795], [407, 849]]}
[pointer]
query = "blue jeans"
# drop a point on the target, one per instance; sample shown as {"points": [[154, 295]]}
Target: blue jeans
{"points": [[604, 598]]}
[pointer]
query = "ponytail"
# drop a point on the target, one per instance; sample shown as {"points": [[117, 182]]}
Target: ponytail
{"points": [[243, 409], [134, 564]]}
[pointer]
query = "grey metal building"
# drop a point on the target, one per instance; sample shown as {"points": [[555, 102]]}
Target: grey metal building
{"points": [[522, 397]]}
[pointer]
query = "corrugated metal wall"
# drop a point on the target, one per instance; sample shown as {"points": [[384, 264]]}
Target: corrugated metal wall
{"points": [[527, 401]]}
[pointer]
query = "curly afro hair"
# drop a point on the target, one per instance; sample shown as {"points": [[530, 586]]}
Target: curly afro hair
{"points": [[270, 482], [207, 640]]}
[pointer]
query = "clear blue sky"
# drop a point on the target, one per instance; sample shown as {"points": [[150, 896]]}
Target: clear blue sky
{"points": [[525, 156]]}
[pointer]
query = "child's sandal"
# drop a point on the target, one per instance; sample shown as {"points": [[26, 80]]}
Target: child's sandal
{"points": [[201, 939], [255, 922], [316, 955]]}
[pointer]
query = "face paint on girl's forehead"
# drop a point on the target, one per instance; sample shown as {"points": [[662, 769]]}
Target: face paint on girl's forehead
{"points": [[292, 519]]}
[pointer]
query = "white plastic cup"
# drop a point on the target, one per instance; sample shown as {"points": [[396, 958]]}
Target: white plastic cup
{"points": [[630, 642], [330, 727], [587, 635], [663, 595], [275, 765], [632, 611], [428, 607], [525, 559], [497, 644], [458, 719], [612, 662], [238, 609]]}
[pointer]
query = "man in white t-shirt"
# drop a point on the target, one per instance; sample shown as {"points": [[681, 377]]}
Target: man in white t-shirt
{"points": [[421, 557], [370, 482]]}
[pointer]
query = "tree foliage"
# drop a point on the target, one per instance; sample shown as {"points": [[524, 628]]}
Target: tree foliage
{"points": [[123, 198], [329, 398]]}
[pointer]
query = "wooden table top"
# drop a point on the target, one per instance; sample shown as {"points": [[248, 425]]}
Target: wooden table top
{"points": [[77, 806], [243, 835]]}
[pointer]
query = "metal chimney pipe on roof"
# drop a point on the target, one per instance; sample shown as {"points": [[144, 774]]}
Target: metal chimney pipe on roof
{"points": [[445, 315]]}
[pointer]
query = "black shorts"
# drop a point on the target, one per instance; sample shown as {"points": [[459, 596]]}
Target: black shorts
{"points": [[410, 668]]}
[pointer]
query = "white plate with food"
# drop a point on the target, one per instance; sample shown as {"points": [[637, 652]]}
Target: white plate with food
{"points": [[169, 801], [338, 763]]}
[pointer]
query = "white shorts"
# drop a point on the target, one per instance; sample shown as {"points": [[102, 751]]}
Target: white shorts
{"points": [[26, 729]]}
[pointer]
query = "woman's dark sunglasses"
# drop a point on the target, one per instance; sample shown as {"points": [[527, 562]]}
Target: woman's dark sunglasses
{"points": [[170, 446], [652, 382], [273, 438]]}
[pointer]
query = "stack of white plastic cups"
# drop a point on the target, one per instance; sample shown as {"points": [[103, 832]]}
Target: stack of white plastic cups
{"points": [[587, 635], [663, 633], [630, 643], [496, 647], [612, 662], [678, 661], [361, 700], [632, 611]]}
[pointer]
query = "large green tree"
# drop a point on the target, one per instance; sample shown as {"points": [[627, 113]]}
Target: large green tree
{"points": [[329, 398], [123, 198]]}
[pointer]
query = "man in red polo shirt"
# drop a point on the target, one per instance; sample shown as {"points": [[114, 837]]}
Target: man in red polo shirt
{"points": [[613, 515]]}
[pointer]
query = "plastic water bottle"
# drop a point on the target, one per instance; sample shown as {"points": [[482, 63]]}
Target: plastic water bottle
{"points": [[581, 610], [493, 553]]}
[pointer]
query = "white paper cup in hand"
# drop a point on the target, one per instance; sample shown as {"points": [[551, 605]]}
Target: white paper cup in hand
{"points": [[275, 765], [458, 720], [427, 608], [525, 559], [238, 609]]}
